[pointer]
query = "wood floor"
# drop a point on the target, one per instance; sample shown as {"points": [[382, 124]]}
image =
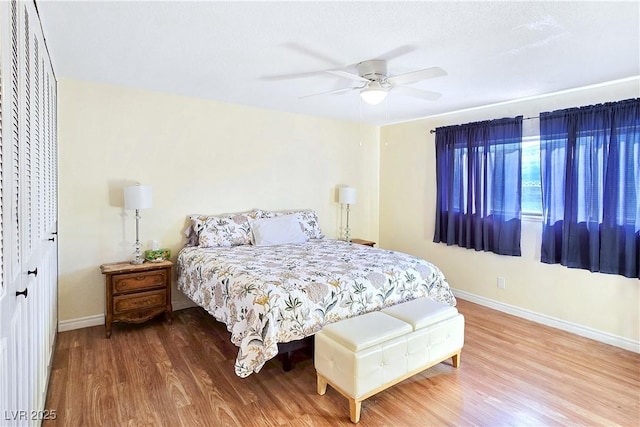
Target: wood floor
{"points": [[513, 372]]}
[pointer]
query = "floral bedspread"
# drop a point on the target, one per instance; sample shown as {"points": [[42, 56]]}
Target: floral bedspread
{"points": [[267, 295]]}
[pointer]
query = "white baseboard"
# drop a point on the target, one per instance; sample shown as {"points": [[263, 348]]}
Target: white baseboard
{"points": [[98, 319], [81, 322], [564, 325], [584, 331]]}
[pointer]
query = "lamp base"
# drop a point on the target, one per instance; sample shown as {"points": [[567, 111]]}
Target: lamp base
{"points": [[137, 259], [347, 230]]}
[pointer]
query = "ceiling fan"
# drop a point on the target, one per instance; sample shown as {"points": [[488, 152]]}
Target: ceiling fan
{"points": [[375, 82]]}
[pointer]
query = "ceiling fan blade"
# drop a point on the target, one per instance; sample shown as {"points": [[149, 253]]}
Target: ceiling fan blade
{"points": [[306, 51], [348, 75], [312, 53], [417, 93], [397, 52], [346, 89], [415, 76], [276, 77]]}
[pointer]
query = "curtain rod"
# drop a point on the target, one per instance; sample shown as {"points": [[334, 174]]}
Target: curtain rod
{"points": [[526, 118]]}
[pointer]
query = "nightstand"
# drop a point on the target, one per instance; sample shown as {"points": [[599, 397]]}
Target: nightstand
{"points": [[136, 292], [363, 242]]}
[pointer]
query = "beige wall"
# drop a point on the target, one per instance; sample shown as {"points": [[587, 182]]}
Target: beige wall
{"points": [[208, 157], [606, 303], [200, 157]]}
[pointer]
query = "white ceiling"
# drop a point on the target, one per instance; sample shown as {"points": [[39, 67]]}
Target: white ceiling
{"points": [[235, 51]]}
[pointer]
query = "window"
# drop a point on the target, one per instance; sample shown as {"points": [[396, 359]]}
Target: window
{"points": [[531, 186], [590, 168], [478, 177]]}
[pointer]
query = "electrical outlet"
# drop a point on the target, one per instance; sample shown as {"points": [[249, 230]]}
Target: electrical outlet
{"points": [[501, 283]]}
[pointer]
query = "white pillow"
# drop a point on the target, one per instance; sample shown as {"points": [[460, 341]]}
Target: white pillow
{"points": [[277, 231]]}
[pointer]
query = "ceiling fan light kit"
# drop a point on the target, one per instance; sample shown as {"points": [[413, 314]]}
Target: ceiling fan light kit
{"points": [[374, 93], [375, 71]]}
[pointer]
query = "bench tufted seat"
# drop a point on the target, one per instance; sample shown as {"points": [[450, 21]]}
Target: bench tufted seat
{"points": [[364, 355]]}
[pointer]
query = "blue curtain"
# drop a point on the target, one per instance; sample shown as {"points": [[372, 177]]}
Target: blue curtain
{"points": [[478, 173], [590, 167]]}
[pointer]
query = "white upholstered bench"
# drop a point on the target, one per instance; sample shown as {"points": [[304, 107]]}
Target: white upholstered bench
{"points": [[364, 355]]}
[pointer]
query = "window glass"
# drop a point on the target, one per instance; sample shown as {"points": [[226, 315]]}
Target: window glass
{"points": [[531, 187]]}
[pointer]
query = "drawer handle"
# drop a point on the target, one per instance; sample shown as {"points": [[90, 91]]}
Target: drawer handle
{"points": [[34, 272], [24, 293], [53, 239]]}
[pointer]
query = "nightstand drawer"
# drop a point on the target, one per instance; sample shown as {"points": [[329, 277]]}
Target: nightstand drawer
{"points": [[139, 281], [139, 301]]}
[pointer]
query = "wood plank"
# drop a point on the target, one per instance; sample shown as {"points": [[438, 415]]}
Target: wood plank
{"points": [[513, 372]]}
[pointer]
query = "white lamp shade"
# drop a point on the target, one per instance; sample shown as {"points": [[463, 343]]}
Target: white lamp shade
{"points": [[137, 197], [347, 195], [374, 93]]}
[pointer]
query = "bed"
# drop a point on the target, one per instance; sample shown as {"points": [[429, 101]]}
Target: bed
{"points": [[280, 293]]}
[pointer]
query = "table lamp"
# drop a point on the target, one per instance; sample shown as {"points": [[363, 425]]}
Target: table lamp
{"points": [[347, 196], [137, 197]]}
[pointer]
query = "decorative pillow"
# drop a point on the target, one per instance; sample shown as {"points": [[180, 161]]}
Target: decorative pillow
{"points": [[308, 221], [277, 231], [223, 230], [191, 235]]}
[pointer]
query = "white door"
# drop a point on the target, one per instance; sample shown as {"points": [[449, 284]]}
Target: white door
{"points": [[28, 184], [14, 293]]}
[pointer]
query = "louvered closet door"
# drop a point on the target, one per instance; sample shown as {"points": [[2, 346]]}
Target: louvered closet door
{"points": [[13, 310], [28, 193], [40, 179], [6, 307]]}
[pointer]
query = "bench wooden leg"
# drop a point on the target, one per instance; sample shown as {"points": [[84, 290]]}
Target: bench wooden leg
{"points": [[322, 385], [354, 410], [456, 360]]}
